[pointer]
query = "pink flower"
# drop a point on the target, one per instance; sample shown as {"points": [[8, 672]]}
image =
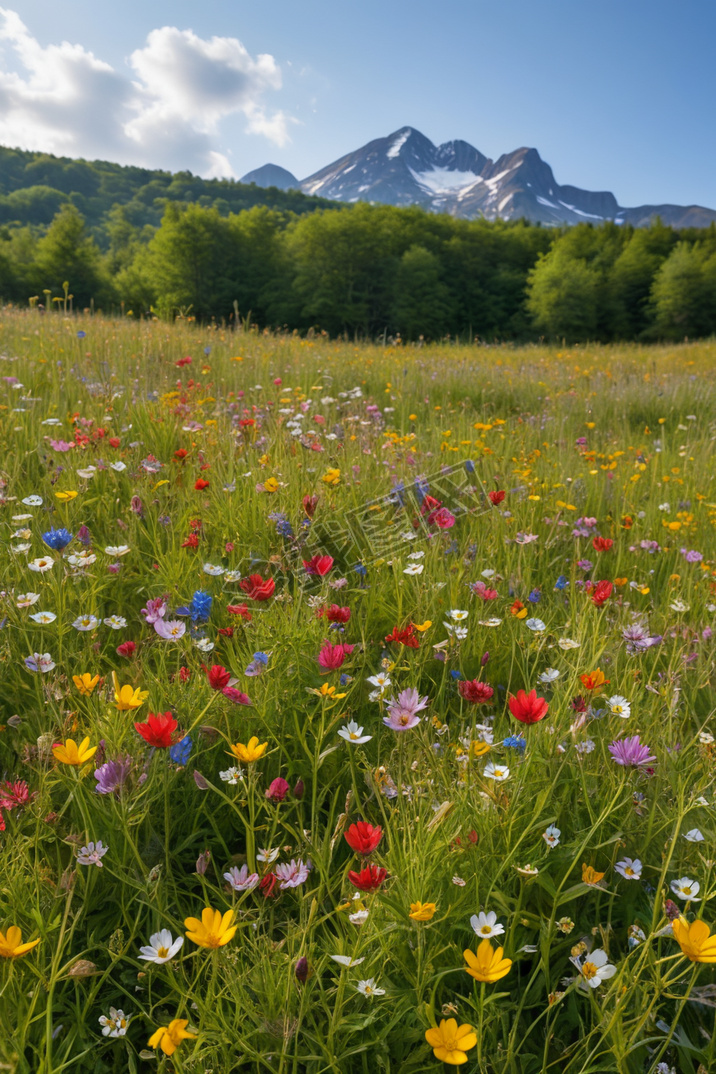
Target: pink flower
{"points": [[332, 656], [170, 629], [293, 874], [278, 790], [402, 714], [60, 445], [236, 696], [156, 609]]}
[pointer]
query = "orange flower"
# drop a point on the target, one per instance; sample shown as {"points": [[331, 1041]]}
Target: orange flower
{"points": [[592, 680], [518, 610], [590, 875]]}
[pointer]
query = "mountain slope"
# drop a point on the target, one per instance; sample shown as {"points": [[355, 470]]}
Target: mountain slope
{"points": [[271, 175], [407, 169]]}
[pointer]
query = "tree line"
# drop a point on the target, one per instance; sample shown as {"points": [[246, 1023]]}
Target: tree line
{"points": [[366, 270]]}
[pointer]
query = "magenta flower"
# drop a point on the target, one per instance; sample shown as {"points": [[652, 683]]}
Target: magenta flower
{"points": [[61, 445], [630, 752], [332, 656], [241, 879], [402, 714], [156, 609], [278, 790], [237, 696]]}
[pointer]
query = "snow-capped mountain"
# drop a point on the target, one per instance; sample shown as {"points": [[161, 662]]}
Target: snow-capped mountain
{"points": [[407, 169]]}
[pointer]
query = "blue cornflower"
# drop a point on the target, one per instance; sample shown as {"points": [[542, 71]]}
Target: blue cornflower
{"points": [[283, 525], [535, 596], [200, 606], [57, 539], [561, 582], [456, 674], [514, 742], [179, 752], [81, 334], [397, 493], [470, 466], [360, 569]]}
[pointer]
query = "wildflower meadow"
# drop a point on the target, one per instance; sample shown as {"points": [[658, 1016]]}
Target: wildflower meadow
{"points": [[357, 703]]}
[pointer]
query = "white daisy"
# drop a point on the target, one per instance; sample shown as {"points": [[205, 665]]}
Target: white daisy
{"points": [[486, 925], [351, 732], [497, 772], [116, 622], [414, 568], [549, 675], [115, 550], [33, 501], [619, 706], [595, 968], [684, 888], [161, 948], [118, 466], [41, 565], [629, 869], [214, 570], [26, 600], [86, 622], [43, 617], [694, 836], [551, 836], [368, 988]]}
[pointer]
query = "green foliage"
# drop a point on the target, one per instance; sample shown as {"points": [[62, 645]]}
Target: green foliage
{"points": [[684, 293]]}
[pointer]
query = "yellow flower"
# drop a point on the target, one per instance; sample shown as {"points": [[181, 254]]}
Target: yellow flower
{"points": [[168, 1038], [127, 697], [213, 930], [449, 1041], [695, 940], [65, 496], [252, 752], [422, 626], [412, 417], [85, 683], [590, 875], [73, 754], [11, 945], [488, 964], [331, 477], [422, 911], [326, 691], [271, 484], [480, 748]]}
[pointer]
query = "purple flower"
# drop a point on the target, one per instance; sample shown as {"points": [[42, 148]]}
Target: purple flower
{"points": [[83, 535], [691, 555], [630, 752], [585, 564], [156, 609], [112, 776], [293, 874], [241, 879], [402, 714], [169, 629]]}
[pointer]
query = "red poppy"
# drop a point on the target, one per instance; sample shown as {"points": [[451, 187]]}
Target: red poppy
{"points": [[336, 614], [239, 609], [474, 690], [217, 676], [528, 708], [183, 361], [227, 631], [256, 588], [157, 731], [602, 544], [404, 637], [180, 454], [127, 648], [599, 592], [114, 441], [363, 838], [184, 674], [496, 497], [200, 484], [192, 541], [368, 879], [319, 565]]}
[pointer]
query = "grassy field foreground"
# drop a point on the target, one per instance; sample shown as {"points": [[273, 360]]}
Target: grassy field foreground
{"points": [[356, 704]]}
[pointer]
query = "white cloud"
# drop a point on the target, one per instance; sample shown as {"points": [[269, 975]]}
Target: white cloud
{"points": [[63, 99]]}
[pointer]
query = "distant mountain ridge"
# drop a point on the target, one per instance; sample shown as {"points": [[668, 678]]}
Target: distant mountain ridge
{"points": [[406, 168]]}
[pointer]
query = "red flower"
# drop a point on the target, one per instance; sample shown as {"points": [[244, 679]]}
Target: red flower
{"points": [[336, 614], [256, 588], [239, 609], [528, 708], [192, 541], [496, 497], [183, 361], [127, 648], [310, 503], [368, 879], [200, 484], [332, 656], [363, 838], [267, 885], [217, 676], [235, 695], [599, 592], [602, 544], [184, 674], [157, 731], [278, 790], [15, 794], [227, 631], [442, 518], [404, 637], [114, 441], [318, 565], [180, 454], [474, 690]]}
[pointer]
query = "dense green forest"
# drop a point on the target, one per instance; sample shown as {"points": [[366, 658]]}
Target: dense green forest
{"points": [[140, 240]]}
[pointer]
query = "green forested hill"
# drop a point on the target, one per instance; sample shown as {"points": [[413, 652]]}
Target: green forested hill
{"points": [[33, 186]]}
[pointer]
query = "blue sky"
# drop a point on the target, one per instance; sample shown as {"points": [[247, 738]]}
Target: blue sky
{"points": [[615, 95]]}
